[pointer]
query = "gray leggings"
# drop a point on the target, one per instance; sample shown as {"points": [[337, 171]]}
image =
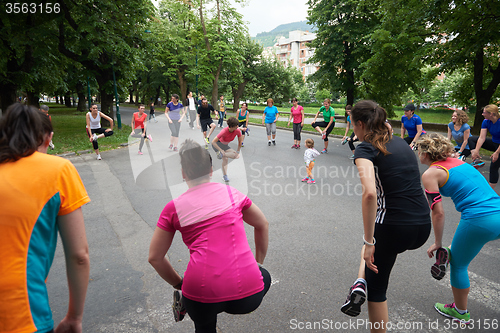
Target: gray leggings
{"points": [[271, 128], [175, 126]]}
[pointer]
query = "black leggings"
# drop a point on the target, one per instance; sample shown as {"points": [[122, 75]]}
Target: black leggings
{"points": [[297, 128], [138, 134], [324, 124], [351, 142], [390, 241], [488, 144], [204, 315], [99, 131]]}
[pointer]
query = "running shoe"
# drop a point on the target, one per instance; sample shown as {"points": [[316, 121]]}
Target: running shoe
{"points": [[355, 298], [171, 146], [477, 163], [438, 270], [351, 157], [311, 181], [274, 143], [344, 141], [450, 311], [298, 146], [51, 145], [324, 151], [248, 130], [462, 157], [219, 155], [269, 143], [178, 306], [305, 179], [94, 137], [150, 138], [140, 153], [242, 144], [294, 147], [99, 157], [225, 178], [175, 149], [207, 140]]}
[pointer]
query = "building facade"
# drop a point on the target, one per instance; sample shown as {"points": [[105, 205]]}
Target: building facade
{"points": [[292, 51]]}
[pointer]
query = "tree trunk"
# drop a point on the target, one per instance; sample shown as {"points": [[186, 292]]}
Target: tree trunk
{"points": [[32, 99], [67, 100], [7, 96], [215, 86], [181, 74], [80, 91], [237, 93], [483, 96]]}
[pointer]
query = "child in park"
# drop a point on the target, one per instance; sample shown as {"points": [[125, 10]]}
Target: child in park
{"points": [[220, 144], [309, 155]]}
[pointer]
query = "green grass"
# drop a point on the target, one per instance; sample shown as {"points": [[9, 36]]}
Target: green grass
{"points": [[438, 116], [70, 135]]}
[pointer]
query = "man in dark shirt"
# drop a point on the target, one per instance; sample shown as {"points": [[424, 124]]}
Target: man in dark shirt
{"points": [[203, 118]]}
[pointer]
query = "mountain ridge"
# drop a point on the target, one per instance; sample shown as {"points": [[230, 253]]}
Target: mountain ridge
{"points": [[269, 38]]}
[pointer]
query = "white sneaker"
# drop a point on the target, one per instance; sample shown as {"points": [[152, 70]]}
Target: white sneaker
{"points": [[51, 145], [99, 157], [94, 137]]}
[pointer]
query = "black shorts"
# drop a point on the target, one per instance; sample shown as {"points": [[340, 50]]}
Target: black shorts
{"points": [[222, 146], [205, 123], [242, 123]]}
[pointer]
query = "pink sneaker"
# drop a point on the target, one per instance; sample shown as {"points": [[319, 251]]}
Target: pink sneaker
{"points": [[140, 153], [311, 181], [305, 179], [150, 138]]}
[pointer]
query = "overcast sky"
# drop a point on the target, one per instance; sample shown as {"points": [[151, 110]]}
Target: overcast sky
{"points": [[265, 15]]}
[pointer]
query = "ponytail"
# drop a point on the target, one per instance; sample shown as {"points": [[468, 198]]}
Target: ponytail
{"points": [[374, 118]]}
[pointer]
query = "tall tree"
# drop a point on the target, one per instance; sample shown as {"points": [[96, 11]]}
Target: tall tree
{"points": [[469, 39], [341, 45], [223, 34], [104, 37]]}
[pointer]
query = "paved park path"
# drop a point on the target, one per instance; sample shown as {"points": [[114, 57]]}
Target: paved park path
{"points": [[315, 240]]}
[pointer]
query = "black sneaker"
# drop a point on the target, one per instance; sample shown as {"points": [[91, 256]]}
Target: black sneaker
{"points": [[438, 270], [356, 298], [269, 143], [178, 307], [274, 142]]}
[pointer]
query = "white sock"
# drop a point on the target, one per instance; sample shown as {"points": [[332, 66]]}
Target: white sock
{"points": [[460, 311], [360, 280]]}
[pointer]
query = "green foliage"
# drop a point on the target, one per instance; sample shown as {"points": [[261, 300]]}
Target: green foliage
{"points": [[342, 43], [322, 94]]}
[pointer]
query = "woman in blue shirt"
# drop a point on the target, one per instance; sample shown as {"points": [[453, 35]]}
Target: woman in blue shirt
{"points": [[270, 117], [479, 206], [492, 125], [413, 124], [460, 131]]}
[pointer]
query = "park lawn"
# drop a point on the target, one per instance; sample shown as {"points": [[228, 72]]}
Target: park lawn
{"points": [[438, 116], [70, 134]]}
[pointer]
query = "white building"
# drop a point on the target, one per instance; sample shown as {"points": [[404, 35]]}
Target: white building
{"points": [[292, 51]]}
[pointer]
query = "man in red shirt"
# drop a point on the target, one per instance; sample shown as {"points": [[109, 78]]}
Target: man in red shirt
{"points": [[220, 144]]}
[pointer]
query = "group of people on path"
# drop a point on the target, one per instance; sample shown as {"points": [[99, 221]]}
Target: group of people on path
{"points": [[397, 216]]}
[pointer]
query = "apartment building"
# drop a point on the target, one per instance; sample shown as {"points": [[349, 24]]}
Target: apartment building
{"points": [[292, 51]]}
